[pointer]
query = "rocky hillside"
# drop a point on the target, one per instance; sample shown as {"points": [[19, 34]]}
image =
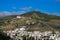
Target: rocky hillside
{"points": [[34, 20]]}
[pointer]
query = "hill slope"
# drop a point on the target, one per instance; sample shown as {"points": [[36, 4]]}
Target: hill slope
{"points": [[34, 20]]}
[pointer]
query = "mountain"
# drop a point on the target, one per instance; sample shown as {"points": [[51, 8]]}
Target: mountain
{"points": [[40, 15], [34, 20]]}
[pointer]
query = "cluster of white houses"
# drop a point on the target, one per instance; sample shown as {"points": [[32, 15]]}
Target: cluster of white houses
{"points": [[18, 34]]}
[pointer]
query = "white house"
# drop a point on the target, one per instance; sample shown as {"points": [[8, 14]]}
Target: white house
{"points": [[18, 17]]}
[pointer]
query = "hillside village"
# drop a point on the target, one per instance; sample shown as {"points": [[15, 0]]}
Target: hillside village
{"points": [[23, 34], [31, 26]]}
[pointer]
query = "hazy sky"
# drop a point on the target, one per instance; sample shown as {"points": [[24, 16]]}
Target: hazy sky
{"points": [[12, 6]]}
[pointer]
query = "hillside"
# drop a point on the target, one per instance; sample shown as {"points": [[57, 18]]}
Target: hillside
{"points": [[34, 20]]}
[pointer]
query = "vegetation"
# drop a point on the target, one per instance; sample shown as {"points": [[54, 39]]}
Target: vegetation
{"points": [[3, 36]]}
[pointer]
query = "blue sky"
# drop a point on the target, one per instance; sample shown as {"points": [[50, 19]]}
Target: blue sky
{"points": [[12, 6]]}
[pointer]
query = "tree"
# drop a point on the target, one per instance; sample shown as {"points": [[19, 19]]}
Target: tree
{"points": [[3, 36]]}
